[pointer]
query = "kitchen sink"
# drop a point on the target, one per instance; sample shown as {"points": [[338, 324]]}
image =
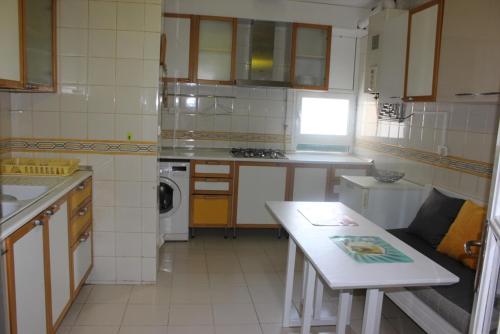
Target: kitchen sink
{"points": [[15, 192]]}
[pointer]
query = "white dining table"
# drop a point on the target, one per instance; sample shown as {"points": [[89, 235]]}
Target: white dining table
{"points": [[325, 263]]}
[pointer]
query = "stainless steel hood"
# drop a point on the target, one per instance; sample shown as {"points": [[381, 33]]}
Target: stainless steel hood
{"points": [[264, 50]]}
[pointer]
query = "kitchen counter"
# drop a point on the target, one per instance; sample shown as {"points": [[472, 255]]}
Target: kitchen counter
{"points": [[57, 186], [302, 157]]}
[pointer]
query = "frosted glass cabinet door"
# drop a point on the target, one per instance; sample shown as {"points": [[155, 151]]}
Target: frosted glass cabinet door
{"points": [[422, 59], [39, 16], [10, 41], [178, 30], [311, 56], [216, 50]]}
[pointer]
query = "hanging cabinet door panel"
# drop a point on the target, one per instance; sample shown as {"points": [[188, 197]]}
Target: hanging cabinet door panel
{"points": [[216, 51], [311, 46], [423, 49], [11, 54], [179, 29]]}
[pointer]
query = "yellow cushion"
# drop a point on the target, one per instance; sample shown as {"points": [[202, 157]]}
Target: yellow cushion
{"points": [[467, 226]]}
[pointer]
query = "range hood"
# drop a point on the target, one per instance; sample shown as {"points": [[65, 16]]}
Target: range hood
{"points": [[264, 51]]}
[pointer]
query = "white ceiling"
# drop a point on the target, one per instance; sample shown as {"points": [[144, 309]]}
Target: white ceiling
{"points": [[350, 3]]}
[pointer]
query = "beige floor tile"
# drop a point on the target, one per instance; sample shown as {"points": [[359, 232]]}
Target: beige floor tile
{"points": [[267, 294], [150, 294], [234, 314], [84, 293], [404, 325], [256, 279], [238, 329], [101, 315], [64, 330], [188, 280], [230, 295], [110, 294], [205, 329], [143, 330], [385, 327], [95, 330], [164, 278], [224, 267], [269, 313], [277, 329], [190, 267], [72, 315], [188, 315], [226, 279], [191, 295], [146, 315]]}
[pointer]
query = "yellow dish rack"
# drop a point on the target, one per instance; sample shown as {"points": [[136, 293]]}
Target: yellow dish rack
{"points": [[38, 166]]}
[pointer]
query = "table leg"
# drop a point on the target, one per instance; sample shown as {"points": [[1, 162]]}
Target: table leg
{"points": [[304, 280], [318, 298], [307, 311], [344, 311], [373, 311], [290, 272]]}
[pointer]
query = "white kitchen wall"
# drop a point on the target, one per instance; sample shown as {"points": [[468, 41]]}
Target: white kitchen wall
{"points": [[108, 54]]}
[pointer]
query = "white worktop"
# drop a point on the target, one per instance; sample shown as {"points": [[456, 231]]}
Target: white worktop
{"points": [[58, 186], [368, 182], [339, 270], [301, 157]]}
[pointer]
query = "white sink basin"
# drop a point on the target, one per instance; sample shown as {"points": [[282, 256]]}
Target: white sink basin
{"points": [[22, 192], [7, 208]]}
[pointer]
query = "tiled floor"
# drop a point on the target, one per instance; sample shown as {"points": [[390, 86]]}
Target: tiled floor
{"points": [[210, 286]]}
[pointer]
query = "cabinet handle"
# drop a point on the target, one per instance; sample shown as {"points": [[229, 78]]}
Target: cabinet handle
{"points": [[83, 212], [469, 244], [489, 93], [38, 222], [85, 237], [81, 186], [49, 212], [465, 94]]}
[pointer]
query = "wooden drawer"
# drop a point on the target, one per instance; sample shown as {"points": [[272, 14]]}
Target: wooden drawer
{"points": [[79, 195], [210, 210], [80, 221], [82, 258], [211, 186], [212, 168]]}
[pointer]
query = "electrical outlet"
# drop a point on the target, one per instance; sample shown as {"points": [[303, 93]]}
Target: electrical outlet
{"points": [[130, 136], [442, 150]]}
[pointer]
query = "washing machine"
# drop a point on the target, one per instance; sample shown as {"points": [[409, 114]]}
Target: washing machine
{"points": [[174, 199]]}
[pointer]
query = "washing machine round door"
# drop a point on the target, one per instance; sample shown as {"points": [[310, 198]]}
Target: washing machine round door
{"points": [[169, 197]]}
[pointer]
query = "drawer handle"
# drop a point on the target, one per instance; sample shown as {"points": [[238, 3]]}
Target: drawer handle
{"points": [[49, 212], [84, 237], [83, 212], [81, 186], [38, 222]]}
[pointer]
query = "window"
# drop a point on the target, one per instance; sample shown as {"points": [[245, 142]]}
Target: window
{"points": [[324, 122]]}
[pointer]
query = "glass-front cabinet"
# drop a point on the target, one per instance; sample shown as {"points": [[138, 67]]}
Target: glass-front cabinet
{"points": [[216, 51], [311, 56], [28, 37], [178, 29]]}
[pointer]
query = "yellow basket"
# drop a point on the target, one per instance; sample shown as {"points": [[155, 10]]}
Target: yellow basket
{"points": [[39, 166]]}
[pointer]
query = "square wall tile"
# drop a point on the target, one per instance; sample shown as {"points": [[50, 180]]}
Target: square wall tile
{"points": [[128, 269], [149, 220], [74, 125], [128, 219], [149, 245], [21, 123], [130, 72], [129, 244], [104, 269], [128, 100], [152, 45], [103, 219], [73, 98], [149, 269], [104, 243], [46, 124], [149, 194], [128, 127], [130, 44], [103, 193], [151, 73], [150, 128], [102, 15], [128, 194], [128, 167], [150, 100], [102, 43], [101, 126], [102, 71], [72, 42], [153, 17], [101, 99], [73, 13], [149, 168], [102, 166], [130, 16], [46, 102], [21, 101]]}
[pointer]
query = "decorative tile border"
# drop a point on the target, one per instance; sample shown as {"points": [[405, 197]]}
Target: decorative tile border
{"points": [[225, 136], [4, 145], [61, 145], [473, 167]]}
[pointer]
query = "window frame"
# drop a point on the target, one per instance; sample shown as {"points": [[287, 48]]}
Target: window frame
{"points": [[330, 140]]}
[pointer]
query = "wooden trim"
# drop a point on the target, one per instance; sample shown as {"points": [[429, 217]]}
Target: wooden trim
{"points": [[208, 196], [437, 51], [211, 192], [163, 48], [236, 176], [194, 37], [47, 274], [234, 51], [326, 79], [73, 248], [290, 180], [5, 83], [212, 175], [184, 16]]}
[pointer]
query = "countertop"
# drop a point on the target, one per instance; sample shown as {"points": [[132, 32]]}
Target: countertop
{"points": [[302, 157], [368, 182], [57, 185]]}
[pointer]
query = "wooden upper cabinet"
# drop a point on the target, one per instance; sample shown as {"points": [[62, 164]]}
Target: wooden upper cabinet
{"points": [[179, 30], [11, 50], [310, 65], [215, 58], [28, 29], [423, 50]]}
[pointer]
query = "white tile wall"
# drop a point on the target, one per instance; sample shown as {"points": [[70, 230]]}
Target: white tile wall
{"points": [[108, 69]]}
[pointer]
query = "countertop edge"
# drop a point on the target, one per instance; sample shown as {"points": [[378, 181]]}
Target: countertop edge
{"points": [[18, 220]]}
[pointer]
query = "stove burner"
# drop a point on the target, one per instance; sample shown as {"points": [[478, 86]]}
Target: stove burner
{"points": [[257, 153]]}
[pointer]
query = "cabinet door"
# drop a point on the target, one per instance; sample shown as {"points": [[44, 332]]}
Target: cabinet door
{"points": [[256, 185], [178, 29], [82, 259], [28, 282], [422, 58], [59, 260], [311, 46], [210, 210], [11, 50], [343, 62], [309, 184], [40, 44], [216, 53]]}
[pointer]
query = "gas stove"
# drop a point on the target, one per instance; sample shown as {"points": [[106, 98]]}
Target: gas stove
{"points": [[257, 153]]}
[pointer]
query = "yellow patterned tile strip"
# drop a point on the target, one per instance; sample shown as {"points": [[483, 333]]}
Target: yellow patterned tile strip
{"points": [[78, 146], [473, 167], [225, 136]]}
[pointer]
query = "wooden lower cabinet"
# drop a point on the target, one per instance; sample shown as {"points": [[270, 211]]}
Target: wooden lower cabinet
{"points": [[211, 210]]}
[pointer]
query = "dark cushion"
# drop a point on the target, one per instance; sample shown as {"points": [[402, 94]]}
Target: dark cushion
{"points": [[461, 293], [435, 216]]}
